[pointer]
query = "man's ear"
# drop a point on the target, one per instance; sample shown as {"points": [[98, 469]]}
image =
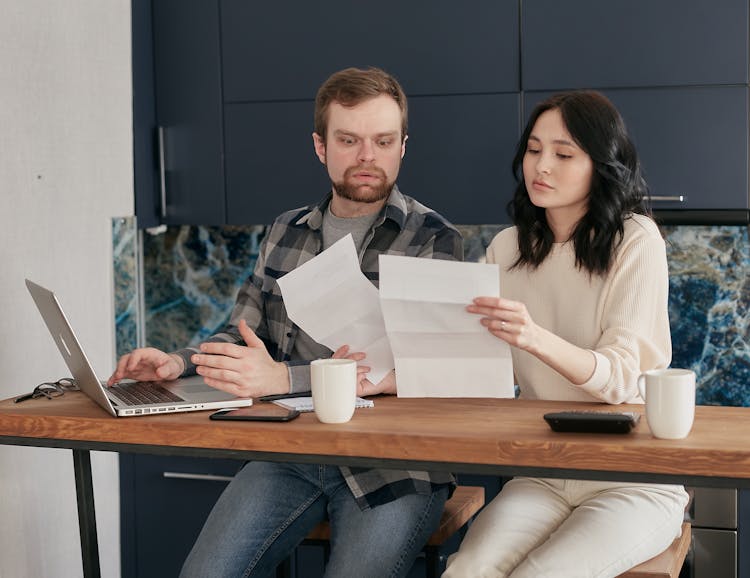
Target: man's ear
{"points": [[320, 147], [403, 146]]}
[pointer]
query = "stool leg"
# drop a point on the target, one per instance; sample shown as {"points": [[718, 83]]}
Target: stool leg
{"points": [[284, 570], [432, 561]]}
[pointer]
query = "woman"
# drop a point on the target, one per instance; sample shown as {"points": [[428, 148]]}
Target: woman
{"points": [[584, 284]]}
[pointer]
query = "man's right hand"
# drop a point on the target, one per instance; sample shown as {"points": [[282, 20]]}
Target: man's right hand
{"points": [[147, 364]]}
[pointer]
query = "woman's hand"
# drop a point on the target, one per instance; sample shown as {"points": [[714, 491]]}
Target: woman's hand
{"points": [[507, 320], [510, 321]]}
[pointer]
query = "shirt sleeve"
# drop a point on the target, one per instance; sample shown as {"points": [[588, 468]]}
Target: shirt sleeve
{"points": [[635, 322]]}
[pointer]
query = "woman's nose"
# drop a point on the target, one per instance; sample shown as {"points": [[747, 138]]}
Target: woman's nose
{"points": [[543, 164]]}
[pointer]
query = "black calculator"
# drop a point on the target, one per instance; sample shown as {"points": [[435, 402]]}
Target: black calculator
{"points": [[592, 421]]}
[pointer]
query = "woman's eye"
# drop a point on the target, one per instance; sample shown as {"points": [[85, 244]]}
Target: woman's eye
{"points": [[564, 156], [532, 151]]}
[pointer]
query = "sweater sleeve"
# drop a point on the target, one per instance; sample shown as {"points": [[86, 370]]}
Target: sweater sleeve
{"points": [[635, 322]]}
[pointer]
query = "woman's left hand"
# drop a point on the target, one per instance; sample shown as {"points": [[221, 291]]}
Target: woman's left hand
{"points": [[507, 320]]}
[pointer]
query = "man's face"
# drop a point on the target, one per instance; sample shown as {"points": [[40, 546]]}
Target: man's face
{"points": [[363, 148]]}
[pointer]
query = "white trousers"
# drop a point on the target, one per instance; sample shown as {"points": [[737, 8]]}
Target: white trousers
{"points": [[538, 528]]}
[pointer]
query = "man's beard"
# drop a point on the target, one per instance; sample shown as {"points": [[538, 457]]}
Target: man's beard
{"points": [[364, 193]]}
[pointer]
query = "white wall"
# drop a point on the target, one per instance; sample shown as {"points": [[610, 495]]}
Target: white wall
{"points": [[65, 171]]}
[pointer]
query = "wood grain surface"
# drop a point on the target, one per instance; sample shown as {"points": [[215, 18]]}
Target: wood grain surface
{"points": [[479, 432]]}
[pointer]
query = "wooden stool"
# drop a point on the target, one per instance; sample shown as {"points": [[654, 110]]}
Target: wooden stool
{"points": [[668, 563], [463, 505]]}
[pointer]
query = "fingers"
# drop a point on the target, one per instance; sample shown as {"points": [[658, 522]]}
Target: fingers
{"points": [[138, 364], [249, 336], [341, 352], [365, 387]]}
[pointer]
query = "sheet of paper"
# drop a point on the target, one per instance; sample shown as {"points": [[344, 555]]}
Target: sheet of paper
{"points": [[439, 348], [334, 303]]}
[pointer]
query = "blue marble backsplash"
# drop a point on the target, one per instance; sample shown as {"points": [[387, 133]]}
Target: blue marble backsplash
{"points": [[191, 275]]}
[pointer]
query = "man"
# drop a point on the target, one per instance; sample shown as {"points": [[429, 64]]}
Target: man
{"points": [[380, 519]]}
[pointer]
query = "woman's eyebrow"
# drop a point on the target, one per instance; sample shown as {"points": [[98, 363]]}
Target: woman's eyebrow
{"points": [[558, 141]]}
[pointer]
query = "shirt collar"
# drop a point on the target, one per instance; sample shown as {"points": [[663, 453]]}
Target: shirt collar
{"points": [[394, 209]]}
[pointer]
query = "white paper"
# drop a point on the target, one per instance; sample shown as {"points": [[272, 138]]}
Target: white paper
{"points": [[439, 348], [334, 303]]}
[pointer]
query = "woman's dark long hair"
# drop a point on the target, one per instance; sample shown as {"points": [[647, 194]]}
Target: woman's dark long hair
{"points": [[617, 185]]}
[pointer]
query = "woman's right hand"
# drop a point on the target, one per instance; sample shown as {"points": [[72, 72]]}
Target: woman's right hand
{"points": [[147, 364], [507, 320]]}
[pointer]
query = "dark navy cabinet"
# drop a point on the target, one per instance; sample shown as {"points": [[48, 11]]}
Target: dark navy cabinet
{"points": [[271, 166], [459, 154], [233, 86], [189, 112], [692, 141], [164, 502], [285, 50], [637, 43]]}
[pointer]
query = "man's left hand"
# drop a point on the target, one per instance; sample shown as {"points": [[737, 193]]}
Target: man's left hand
{"points": [[364, 385]]}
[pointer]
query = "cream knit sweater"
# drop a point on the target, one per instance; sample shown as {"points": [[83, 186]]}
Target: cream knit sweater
{"points": [[622, 317]]}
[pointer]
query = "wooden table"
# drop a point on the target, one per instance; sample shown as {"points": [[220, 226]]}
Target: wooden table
{"points": [[487, 436]]}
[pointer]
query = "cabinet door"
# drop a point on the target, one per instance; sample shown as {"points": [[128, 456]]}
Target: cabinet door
{"points": [[457, 157], [164, 503], [630, 43], [691, 142], [187, 74], [459, 154], [271, 165], [285, 50]]}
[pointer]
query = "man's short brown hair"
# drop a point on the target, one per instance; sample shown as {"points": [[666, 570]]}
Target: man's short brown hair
{"points": [[351, 86]]}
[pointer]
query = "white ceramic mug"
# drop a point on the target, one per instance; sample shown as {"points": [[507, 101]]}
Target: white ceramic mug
{"points": [[670, 401], [334, 389]]}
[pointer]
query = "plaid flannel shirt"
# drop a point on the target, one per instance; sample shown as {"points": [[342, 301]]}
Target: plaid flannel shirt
{"points": [[404, 227]]}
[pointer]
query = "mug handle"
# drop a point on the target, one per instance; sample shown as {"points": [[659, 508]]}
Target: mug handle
{"points": [[642, 385]]}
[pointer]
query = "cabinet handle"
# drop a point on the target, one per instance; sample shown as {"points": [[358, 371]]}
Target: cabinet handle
{"points": [[162, 174], [669, 198], [201, 477]]}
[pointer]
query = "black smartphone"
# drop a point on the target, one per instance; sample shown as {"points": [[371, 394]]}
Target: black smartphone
{"points": [[592, 421], [257, 412]]}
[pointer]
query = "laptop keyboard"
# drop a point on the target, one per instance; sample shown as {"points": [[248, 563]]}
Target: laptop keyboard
{"points": [[143, 392]]}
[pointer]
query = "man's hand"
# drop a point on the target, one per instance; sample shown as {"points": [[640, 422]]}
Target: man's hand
{"points": [[364, 385], [242, 370], [147, 364], [343, 353], [386, 385]]}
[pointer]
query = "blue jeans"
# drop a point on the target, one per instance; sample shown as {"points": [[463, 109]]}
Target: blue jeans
{"points": [[269, 508]]}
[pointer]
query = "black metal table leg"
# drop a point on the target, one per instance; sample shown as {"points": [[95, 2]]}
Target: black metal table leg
{"points": [[86, 514]]}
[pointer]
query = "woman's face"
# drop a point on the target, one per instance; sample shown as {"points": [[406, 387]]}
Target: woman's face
{"points": [[557, 172]]}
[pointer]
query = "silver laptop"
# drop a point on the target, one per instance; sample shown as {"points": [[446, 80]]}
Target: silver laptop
{"points": [[128, 398]]}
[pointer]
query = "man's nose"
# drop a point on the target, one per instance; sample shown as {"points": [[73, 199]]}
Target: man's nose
{"points": [[366, 151]]}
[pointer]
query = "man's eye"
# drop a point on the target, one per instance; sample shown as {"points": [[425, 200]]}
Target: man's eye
{"points": [[347, 140], [384, 143]]}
